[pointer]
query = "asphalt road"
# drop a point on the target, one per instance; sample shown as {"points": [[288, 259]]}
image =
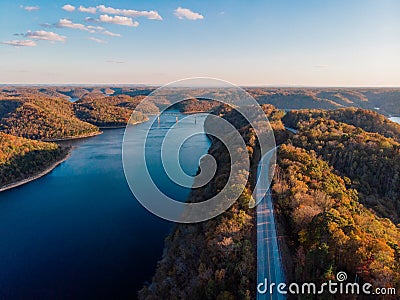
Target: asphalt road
{"points": [[269, 264]]}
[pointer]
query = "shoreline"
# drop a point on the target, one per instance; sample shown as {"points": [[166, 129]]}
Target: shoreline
{"points": [[194, 112], [57, 163], [112, 127], [123, 126], [73, 137], [37, 176]]}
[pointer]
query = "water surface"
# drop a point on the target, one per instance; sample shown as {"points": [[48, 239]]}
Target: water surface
{"points": [[78, 233]]}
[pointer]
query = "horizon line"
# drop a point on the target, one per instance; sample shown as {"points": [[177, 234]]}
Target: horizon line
{"points": [[240, 85]]}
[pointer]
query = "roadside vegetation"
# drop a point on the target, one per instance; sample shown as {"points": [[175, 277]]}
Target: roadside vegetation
{"points": [[328, 229]]}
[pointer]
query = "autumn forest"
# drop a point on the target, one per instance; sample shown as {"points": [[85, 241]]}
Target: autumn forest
{"points": [[335, 190]]}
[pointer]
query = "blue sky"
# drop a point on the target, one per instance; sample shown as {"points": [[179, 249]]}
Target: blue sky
{"points": [[280, 42]]}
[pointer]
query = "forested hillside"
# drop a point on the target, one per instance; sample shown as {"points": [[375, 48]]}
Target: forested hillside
{"points": [[111, 111], [196, 105], [368, 120], [42, 118], [21, 158], [38, 117], [328, 229], [371, 160], [337, 194]]}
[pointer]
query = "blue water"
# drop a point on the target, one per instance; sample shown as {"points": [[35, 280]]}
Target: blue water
{"points": [[395, 119], [78, 233]]}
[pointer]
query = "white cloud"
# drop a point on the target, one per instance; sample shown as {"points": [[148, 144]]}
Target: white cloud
{"points": [[68, 7], [90, 10], [109, 10], [45, 35], [65, 23], [125, 21], [152, 15], [30, 8], [185, 13], [109, 33], [20, 43], [100, 41], [321, 66], [95, 27]]}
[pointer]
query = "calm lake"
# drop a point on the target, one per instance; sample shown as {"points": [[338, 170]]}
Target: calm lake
{"points": [[78, 233]]}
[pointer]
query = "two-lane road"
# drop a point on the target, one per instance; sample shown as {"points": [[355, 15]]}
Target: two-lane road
{"points": [[269, 264], [269, 260]]}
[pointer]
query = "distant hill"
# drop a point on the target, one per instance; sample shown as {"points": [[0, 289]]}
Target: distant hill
{"points": [[384, 100], [112, 111], [292, 99], [196, 105], [73, 92]]}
